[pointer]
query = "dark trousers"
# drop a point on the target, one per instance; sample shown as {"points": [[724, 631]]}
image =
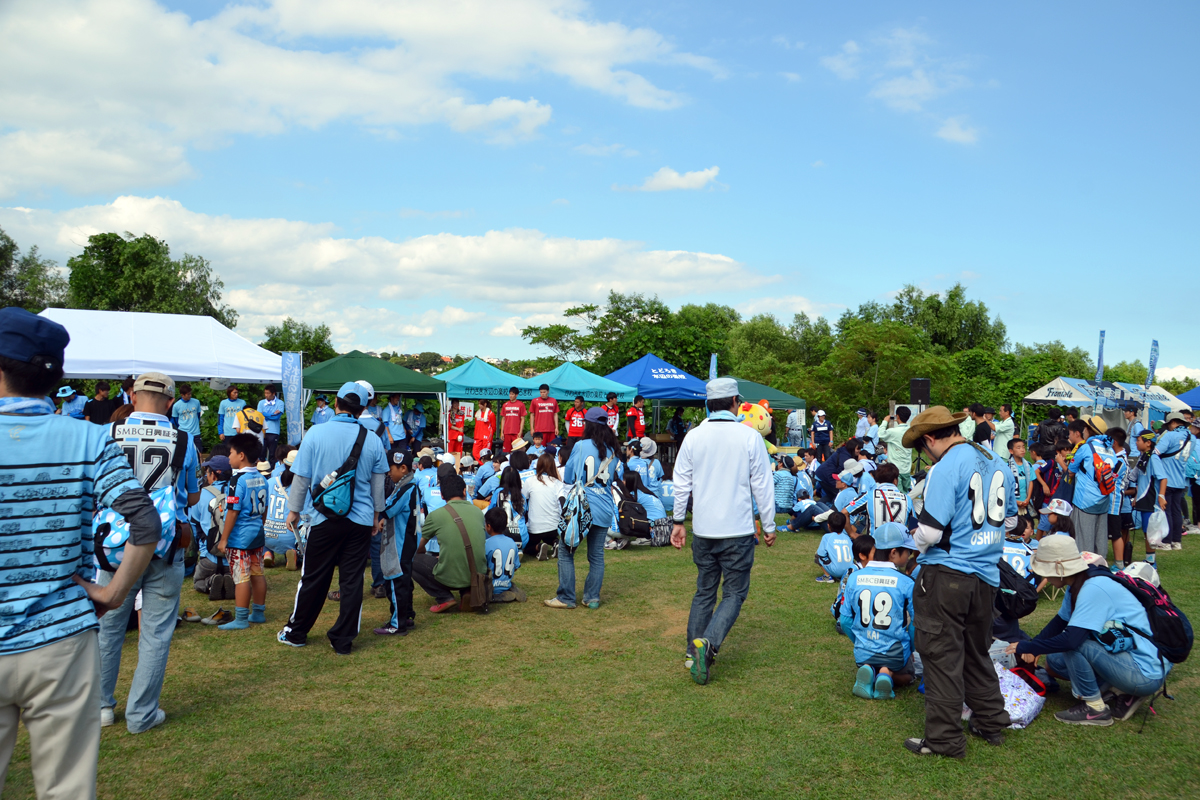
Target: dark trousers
{"points": [[1175, 509], [422, 572], [270, 441], [1195, 502], [199, 443], [400, 590], [953, 617], [715, 559], [335, 543], [536, 539], [823, 451]]}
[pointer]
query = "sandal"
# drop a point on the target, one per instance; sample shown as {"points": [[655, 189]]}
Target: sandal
{"points": [[190, 615]]}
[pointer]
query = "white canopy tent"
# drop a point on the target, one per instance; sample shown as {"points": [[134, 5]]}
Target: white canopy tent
{"points": [[115, 344]]}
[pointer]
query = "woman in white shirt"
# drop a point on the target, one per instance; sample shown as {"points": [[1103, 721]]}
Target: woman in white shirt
{"points": [[543, 495]]}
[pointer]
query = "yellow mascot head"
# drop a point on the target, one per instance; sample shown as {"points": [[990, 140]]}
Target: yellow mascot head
{"points": [[758, 418]]}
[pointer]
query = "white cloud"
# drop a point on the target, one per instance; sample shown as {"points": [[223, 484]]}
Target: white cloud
{"points": [[274, 268], [956, 130], [845, 63], [783, 308], [790, 77], [416, 213], [667, 179], [786, 43], [561, 201], [122, 88], [512, 326], [605, 150], [1176, 373]]}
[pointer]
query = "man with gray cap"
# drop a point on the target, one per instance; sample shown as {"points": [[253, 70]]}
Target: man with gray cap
{"points": [[724, 469], [49, 654]]}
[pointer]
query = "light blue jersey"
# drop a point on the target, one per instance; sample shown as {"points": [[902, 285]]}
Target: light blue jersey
{"points": [[414, 421], [884, 503], [654, 507], [1118, 501], [247, 495], [202, 518], [1169, 450], [503, 561], [1019, 555], [804, 485], [321, 415], [393, 421], [968, 495], [839, 600], [500, 499], [488, 487], [74, 407], [666, 493], [877, 615], [324, 449], [1087, 497], [271, 410], [401, 512], [55, 472], [486, 470], [187, 414], [1104, 603], [149, 441], [1023, 477], [227, 411], [278, 539], [471, 482], [835, 553]]}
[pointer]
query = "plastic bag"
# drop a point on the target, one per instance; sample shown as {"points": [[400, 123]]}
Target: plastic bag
{"points": [[1156, 528], [1021, 702]]}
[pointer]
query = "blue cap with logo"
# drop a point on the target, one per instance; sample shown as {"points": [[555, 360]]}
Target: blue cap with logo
{"points": [[352, 388], [27, 338], [891, 535]]}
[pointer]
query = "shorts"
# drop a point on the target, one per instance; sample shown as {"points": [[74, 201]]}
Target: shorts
{"points": [[455, 443], [243, 564], [1126, 520], [909, 667], [509, 438], [1114, 527]]}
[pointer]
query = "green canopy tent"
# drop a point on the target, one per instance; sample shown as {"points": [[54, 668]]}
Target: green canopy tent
{"points": [[384, 376], [753, 392]]}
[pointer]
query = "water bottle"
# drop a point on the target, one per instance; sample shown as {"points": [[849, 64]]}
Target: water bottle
{"points": [[329, 479]]}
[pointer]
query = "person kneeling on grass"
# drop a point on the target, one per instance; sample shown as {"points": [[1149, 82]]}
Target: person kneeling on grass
{"points": [[449, 570], [503, 558], [835, 552], [863, 548], [1094, 641], [877, 615], [242, 536]]}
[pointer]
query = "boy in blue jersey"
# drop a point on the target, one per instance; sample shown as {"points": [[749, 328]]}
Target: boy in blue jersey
{"points": [[242, 536], [1170, 450], [835, 552], [884, 502], [186, 413], [466, 471], [227, 413], [862, 549], [280, 541], [398, 542], [877, 615], [503, 557], [322, 413], [538, 447], [414, 423], [73, 403], [1023, 476], [210, 569]]}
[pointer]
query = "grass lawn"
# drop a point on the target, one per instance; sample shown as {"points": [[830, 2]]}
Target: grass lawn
{"points": [[528, 702]]}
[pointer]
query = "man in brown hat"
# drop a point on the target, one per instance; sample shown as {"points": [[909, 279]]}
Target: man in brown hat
{"points": [[960, 533]]}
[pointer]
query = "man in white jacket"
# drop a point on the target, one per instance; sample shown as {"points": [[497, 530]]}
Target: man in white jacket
{"points": [[721, 465]]}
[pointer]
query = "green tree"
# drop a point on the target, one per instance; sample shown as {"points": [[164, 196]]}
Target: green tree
{"points": [[814, 339], [123, 273], [298, 337], [1125, 372], [27, 280], [948, 320]]}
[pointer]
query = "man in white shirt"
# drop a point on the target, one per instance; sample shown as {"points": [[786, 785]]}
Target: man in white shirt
{"points": [[721, 465], [1005, 429], [795, 428]]}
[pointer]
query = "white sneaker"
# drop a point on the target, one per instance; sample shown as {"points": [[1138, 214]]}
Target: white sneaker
{"points": [[107, 717], [1176, 545], [160, 717]]}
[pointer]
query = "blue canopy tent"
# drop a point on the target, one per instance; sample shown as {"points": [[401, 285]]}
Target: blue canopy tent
{"points": [[568, 381], [1192, 398], [479, 380], [655, 379]]}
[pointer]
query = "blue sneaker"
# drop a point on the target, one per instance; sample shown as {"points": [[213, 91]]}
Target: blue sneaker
{"points": [[281, 637], [862, 682], [883, 687]]}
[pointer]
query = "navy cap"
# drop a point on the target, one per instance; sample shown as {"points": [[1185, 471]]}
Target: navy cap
{"points": [[597, 414], [25, 337], [401, 458], [218, 463]]}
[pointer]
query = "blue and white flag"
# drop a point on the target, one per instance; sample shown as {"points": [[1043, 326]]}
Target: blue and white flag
{"points": [[1100, 359], [1153, 363], [712, 367], [293, 396]]}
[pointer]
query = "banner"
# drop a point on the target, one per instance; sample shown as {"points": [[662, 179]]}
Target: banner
{"points": [[1153, 363], [293, 396], [712, 367], [1100, 359]]}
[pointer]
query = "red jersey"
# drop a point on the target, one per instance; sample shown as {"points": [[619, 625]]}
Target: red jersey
{"points": [[614, 416], [458, 420], [637, 421], [512, 412], [485, 424], [575, 421], [545, 414]]}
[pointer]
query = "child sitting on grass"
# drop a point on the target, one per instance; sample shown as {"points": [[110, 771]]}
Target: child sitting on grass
{"points": [[242, 537], [877, 615], [503, 557], [863, 546], [834, 553]]}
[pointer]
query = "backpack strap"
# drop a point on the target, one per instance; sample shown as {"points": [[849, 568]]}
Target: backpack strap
{"points": [[182, 440], [462, 529]]}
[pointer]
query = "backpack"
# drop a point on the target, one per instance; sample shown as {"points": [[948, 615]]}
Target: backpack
{"points": [[1170, 631], [576, 517], [111, 530], [251, 420], [334, 496], [632, 519], [1103, 474], [1016, 597], [216, 513]]}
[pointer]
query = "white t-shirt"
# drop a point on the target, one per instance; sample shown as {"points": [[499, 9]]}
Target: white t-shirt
{"points": [[541, 498]]}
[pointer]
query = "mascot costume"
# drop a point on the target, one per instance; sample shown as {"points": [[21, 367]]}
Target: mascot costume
{"points": [[759, 419]]}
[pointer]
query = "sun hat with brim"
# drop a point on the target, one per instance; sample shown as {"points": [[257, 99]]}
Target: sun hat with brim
{"points": [[1057, 557], [424, 451], [1175, 416], [931, 419], [264, 467], [65, 391], [520, 444], [290, 458], [1096, 423], [649, 446]]}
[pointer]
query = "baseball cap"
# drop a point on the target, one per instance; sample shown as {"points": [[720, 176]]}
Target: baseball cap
{"points": [[401, 458], [65, 391], [323, 398], [218, 463], [597, 414], [351, 388], [890, 535], [446, 458], [467, 461], [370, 390], [720, 388], [485, 452], [25, 336], [820, 413], [1175, 416], [853, 470], [862, 412], [1057, 506], [154, 382]]}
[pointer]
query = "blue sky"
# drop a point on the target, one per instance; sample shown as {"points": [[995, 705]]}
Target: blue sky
{"points": [[436, 175]]}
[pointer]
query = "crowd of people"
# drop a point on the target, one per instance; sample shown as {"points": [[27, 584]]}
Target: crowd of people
{"points": [[106, 507]]}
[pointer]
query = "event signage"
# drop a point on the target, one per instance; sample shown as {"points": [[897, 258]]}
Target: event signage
{"points": [[293, 396], [1100, 359], [667, 373], [1153, 362]]}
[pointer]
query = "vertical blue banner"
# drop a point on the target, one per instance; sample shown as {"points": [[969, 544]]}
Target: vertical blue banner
{"points": [[293, 396], [1100, 359], [1153, 363], [712, 367]]}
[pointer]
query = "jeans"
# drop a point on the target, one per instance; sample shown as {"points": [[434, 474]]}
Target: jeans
{"points": [[376, 565], [1091, 668], [566, 568], [160, 585], [716, 558]]}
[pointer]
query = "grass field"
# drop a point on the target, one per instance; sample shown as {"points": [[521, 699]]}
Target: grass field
{"points": [[528, 702]]}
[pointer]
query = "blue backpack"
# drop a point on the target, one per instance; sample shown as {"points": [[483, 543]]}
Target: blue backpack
{"points": [[576, 517], [334, 496], [157, 467]]}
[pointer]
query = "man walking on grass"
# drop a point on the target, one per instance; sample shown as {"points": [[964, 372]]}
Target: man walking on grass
{"points": [[720, 466]]}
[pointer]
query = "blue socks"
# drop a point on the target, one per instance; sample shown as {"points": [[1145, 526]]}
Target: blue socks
{"points": [[240, 621], [259, 613]]}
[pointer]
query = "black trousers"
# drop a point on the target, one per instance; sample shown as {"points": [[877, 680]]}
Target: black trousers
{"points": [[402, 587], [1176, 513], [953, 618], [536, 539], [1195, 502], [270, 440], [422, 571], [335, 543]]}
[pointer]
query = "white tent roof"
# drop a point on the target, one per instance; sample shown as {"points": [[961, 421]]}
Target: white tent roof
{"points": [[1156, 392], [114, 344], [1059, 392]]}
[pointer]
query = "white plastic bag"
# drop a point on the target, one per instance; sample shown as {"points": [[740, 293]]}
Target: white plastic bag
{"points": [[1156, 529], [1021, 702]]}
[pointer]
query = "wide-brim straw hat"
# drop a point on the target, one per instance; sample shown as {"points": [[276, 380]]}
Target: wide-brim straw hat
{"points": [[1096, 423], [931, 419], [1057, 556]]}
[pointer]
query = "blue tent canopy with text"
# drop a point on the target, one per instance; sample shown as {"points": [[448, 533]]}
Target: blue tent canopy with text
{"points": [[655, 379]]}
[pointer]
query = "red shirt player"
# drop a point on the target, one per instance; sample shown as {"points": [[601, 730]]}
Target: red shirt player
{"points": [[512, 419], [544, 409], [636, 415], [574, 418], [614, 412], [485, 428], [458, 421]]}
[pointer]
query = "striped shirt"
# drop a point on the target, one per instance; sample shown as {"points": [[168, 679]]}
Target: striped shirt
{"points": [[54, 472]]}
